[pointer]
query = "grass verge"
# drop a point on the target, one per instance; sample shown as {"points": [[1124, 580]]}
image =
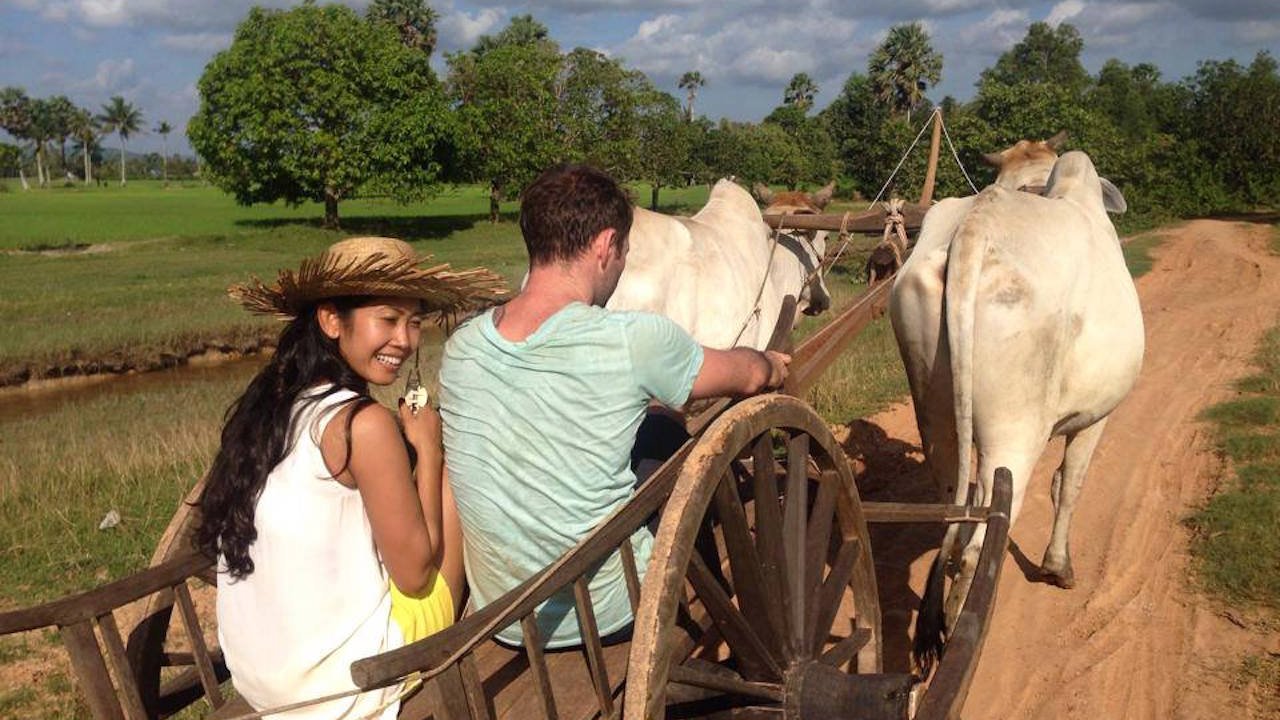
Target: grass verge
{"points": [[1236, 546]]}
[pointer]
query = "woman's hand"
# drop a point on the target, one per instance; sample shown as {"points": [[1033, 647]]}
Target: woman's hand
{"points": [[422, 430]]}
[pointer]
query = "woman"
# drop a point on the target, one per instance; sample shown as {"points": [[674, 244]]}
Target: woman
{"points": [[331, 544]]}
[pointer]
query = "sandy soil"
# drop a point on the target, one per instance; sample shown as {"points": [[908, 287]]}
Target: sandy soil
{"points": [[1132, 640]]}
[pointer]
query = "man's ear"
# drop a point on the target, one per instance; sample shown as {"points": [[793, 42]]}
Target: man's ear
{"points": [[329, 320], [602, 246]]}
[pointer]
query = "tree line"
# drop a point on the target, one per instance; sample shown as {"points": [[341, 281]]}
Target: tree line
{"points": [[322, 103], [43, 124]]}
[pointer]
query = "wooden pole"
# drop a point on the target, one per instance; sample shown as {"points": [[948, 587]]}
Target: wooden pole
{"points": [[935, 144]]}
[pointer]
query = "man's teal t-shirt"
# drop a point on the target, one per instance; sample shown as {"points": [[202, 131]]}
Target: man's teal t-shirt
{"points": [[538, 437]]}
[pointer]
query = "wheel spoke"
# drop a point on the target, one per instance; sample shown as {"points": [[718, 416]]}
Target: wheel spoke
{"points": [[843, 651], [744, 563], [769, 548], [826, 603], [795, 510], [750, 650], [724, 680], [817, 545]]}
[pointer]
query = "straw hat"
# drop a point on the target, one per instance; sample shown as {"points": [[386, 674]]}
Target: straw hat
{"points": [[370, 266]]}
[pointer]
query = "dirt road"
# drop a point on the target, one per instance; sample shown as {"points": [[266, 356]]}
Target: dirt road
{"points": [[1132, 640]]}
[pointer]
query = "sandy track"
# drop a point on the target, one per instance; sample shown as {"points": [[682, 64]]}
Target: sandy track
{"points": [[1131, 640]]}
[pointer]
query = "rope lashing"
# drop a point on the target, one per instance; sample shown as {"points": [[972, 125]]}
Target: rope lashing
{"points": [[755, 309]]}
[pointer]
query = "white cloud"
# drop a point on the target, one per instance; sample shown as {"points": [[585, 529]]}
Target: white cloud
{"points": [[458, 30], [199, 41], [157, 14], [1258, 32], [763, 48], [112, 75], [1064, 11], [994, 33]]}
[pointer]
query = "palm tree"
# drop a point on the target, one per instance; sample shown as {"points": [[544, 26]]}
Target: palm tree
{"points": [[164, 129], [123, 119], [800, 91], [84, 127], [903, 66], [690, 82]]}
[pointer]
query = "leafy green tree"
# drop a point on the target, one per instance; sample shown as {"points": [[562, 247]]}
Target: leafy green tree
{"points": [[40, 131], [85, 130], [61, 115], [814, 149], [800, 92], [123, 119], [597, 111], [505, 94], [1046, 55], [315, 103], [1038, 87], [1234, 112], [691, 82], [163, 130], [854, 120], [903, 66], [15, 119], [413, 19], [666, 141], [10, 158]]}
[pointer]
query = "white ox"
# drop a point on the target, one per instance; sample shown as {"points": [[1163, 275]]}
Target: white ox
{"points": [[706, 272], [1017, 321]]}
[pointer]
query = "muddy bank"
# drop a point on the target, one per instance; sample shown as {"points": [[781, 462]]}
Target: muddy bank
{"points": [[76, 369]]}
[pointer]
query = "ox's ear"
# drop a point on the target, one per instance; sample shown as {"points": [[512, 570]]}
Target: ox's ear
{"points": [[995, 160], [1056, 142], [823, 196], [1112, 199], [762, 192]]}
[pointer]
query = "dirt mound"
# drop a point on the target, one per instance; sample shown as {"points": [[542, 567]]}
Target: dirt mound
{"points": [[1132, 640]]}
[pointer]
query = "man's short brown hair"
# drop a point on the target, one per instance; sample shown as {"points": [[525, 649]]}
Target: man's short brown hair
{"points": [[566, 207]]}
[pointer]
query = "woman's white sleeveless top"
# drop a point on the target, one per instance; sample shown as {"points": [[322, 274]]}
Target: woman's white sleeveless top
{"points": [[318, 598]]}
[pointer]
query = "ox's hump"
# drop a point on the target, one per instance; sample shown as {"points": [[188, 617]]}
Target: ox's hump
{"points": [[1075, 177], [729, 199]]}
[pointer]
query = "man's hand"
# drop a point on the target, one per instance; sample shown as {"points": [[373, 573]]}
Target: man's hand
{"points": [[738, 372], [779, 368]]}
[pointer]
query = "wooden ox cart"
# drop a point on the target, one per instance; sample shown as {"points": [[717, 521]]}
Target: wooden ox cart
{"points": [[760, 598]]}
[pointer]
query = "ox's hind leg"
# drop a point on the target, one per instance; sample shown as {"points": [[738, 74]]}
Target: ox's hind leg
{"points": [[1067, 481]]}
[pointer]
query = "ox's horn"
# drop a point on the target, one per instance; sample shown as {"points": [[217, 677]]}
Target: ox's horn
{"points": [[762, 193], [823, 196], [1056, 142], [995, 160]]}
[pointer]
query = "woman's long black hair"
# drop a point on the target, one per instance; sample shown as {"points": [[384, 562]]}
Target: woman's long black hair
{"points": [[258, 429]]}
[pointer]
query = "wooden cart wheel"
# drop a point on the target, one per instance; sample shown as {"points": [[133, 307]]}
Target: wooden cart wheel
{"points": [[778, 559]]}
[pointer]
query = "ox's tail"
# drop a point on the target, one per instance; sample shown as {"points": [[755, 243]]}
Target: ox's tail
{"points": [[964, 266]]}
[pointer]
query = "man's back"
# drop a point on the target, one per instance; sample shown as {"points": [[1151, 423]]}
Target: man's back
{"points": [[538, 435]]}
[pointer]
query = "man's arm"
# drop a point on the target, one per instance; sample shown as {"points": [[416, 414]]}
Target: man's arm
{"points": [[739, 371]]}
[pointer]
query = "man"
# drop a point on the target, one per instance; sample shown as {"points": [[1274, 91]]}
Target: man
{"points": [[542, 397]]}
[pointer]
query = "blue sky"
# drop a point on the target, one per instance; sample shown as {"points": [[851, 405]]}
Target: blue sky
{"points": [[153, 51]]}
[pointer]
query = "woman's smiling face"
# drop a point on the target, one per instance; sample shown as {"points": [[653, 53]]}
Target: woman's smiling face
{"points": [[375, 339]]}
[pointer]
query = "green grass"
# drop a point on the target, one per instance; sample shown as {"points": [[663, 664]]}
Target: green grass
{"points": [[1137, 254], [159, 287], [1236, 546]]}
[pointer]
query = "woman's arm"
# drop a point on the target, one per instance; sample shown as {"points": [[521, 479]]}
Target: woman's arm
{"points": [[406, 520]]}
